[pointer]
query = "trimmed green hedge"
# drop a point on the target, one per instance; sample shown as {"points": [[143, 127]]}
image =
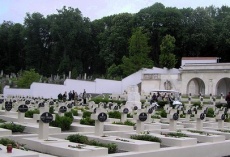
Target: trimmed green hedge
{"points": [[13, 127], [146, 138], [77, 138]]}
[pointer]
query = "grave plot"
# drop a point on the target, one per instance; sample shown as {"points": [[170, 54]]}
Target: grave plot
{"points": [[16, 153], [107, 135]]}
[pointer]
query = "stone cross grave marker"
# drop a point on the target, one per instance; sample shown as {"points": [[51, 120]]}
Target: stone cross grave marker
{"points": [[21, 112], [8, 107], [140, 117], [221, 116], [124, 111], [100, 117], [44, 119], [62, 110]]}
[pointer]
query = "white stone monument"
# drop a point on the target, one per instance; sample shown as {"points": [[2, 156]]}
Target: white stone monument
{"points": [[133, 97]]}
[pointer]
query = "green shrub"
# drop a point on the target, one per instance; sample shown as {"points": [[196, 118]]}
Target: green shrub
{"points": [[127, 122], [146, 138], [5, 141], [210, 113], [86, 108], [176, 134], [30, 113], [77, 138], [62, 122], [74, 112], [155, 117], [13, 127], [69, 114], [197, 104], [219, 105], [87, 121], [51, 110], [163, 114], [86, 114], [115, 114], [112, 147], [2, 121], [129, 115], [182, 115]]}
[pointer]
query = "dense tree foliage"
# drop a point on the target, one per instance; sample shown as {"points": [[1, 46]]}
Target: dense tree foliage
{"points": [[27, 78], [167, 58], [68, 41]]}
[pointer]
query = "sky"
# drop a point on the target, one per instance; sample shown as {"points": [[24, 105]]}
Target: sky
{"points": [[15, 10]]}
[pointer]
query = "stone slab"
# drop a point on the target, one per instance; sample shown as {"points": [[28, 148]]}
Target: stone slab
{"points": [[5, 132], [117, 127], [132, 145], [61, 148], [16, 153]]}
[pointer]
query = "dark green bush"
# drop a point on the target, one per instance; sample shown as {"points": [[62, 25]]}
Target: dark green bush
{"points": [[2, 121], [182, 115], [51, 110], [30, 113], [129, 115], [155, 117], [77, 138], [62, 122], [106, 100], [210, 113], [5, 141], [145, 137], [219, 105], [86, 114], [163, 114], [13, 127], [115, 114], [127, 122], [87, 121], [112, 147], [197, 104], [69, 114], [74, 112], [177, 134]]}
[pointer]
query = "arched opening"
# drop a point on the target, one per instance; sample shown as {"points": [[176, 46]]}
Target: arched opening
{"points": [[223, 86], [196, 86]]}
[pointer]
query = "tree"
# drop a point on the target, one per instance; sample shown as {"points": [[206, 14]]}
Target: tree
{"points": [[167, 58], [138, 53], [27, 78]]}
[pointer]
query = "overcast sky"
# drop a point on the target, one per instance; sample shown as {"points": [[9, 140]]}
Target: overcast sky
{"points": [[15, 10]]}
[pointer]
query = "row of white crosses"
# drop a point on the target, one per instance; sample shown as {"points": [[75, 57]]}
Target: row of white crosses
{"points": [[99, 114]]}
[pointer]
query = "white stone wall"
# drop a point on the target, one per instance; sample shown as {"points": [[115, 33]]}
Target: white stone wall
{"points": [[132, 79], [107, 86]]}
